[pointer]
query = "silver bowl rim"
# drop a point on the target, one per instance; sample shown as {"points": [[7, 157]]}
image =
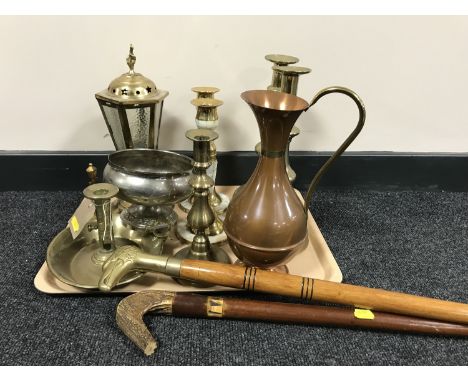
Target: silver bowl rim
{"points": [[120, 168]]}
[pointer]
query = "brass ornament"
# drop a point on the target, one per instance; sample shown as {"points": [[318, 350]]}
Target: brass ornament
{"points": [[205, 91], [132, 87], [201, 216], [207, 112], [91, 171], [285, 79], [132, 109], [290, 77], [78, 262], [101, 195], [278, 60], [207, 117]]}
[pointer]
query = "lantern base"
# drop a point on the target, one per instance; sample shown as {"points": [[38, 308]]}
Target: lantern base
{"points": [[149, 218]]}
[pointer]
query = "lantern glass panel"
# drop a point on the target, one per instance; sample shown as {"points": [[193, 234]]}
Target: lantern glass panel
{"points": [[112, 116], [157, 122], [139, 124]]}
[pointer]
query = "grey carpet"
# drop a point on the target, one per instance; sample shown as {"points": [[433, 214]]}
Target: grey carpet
{"points": [[413, 242]]}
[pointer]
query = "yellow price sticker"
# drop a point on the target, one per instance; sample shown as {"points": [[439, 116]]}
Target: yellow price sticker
{"points": [[363, 314], [75, 224]]}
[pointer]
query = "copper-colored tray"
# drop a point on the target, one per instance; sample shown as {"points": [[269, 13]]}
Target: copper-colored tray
{"points": [[315, 261]]}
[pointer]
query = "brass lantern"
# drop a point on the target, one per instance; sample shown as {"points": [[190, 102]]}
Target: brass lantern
{"points": [[132, 108]]}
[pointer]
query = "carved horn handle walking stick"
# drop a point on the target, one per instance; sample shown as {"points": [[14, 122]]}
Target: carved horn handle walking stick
{"points": [[126, 259], [131, 310]]}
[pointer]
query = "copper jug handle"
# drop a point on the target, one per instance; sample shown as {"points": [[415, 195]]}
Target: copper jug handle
{"points": [[344, 145]]}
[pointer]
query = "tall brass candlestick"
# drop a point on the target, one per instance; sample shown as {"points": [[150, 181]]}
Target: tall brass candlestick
{"points": [[207, 118], [289, 84], [279, 60], [201, 215], [290, 78], [285, 79]]}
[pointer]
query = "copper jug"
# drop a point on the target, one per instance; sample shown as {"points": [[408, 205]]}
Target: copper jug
{"points": [[266, 222]]}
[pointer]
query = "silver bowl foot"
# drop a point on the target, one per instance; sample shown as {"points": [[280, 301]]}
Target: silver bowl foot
{"points": [[148, 219]]}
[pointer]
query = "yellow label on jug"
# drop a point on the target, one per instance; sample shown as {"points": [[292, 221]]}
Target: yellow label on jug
{"points": [[363, 314], [75, 224]]}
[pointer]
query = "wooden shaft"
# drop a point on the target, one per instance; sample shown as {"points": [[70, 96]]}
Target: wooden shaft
{"points": [[258, 280], [194, 305]]}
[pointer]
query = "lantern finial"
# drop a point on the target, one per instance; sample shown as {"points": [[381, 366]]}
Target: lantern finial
{"points": [[131, 59]]}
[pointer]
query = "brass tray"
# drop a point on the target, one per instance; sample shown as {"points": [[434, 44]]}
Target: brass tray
{"points": [[315, 261]]}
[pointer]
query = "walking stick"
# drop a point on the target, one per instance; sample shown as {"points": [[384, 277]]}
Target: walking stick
{"points": [[131, 310], [127, 259]]}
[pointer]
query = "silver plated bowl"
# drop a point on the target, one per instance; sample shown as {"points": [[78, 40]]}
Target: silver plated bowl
{"points": [[150, 177]]}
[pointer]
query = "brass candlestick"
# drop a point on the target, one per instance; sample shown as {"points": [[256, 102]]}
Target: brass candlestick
{"points": [[101, 194], [205, 91], [290, 77], [285, 79], [279, 60], [289, 83], [215, 230], [207, 112], [289, 170], [201, 215], [207, 118]]}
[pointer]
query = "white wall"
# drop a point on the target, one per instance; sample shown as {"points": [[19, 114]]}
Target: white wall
{"points": [[411, 72]]}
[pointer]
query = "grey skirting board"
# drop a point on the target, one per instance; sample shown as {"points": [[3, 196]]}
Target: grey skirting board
{"points": [[45, 170], [409, 241]]}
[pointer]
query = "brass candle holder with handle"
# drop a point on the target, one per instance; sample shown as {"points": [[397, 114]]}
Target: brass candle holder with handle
{"points": [[78, 261], [101, 195]]}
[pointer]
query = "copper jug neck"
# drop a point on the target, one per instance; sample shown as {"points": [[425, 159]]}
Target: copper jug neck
{"points": [[275, 101], [276, 114]]}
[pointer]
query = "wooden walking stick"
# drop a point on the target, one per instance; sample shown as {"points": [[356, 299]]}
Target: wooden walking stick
{"points": [[127, 259], [131, 310]]}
